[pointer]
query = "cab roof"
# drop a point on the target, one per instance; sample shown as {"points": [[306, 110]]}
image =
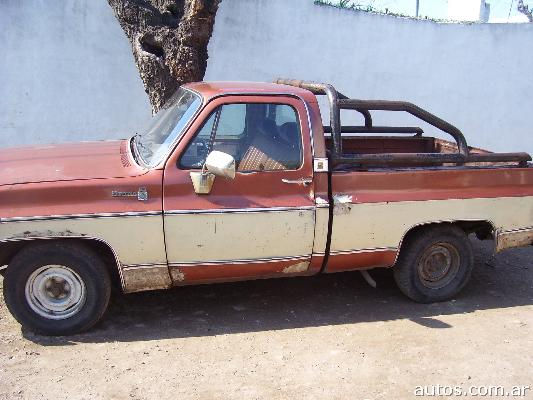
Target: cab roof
{"points": [[213, 89]]}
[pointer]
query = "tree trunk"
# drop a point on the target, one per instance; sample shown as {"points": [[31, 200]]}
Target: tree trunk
{"points": [[169, 40]]}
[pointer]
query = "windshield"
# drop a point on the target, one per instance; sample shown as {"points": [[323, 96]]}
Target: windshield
{"points": [[166, 127]]}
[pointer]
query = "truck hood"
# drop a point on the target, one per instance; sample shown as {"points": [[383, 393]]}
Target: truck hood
{"points": [[66, 162]]}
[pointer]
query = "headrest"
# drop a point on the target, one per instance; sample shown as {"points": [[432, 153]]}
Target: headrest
{"points": [[268, 128], [289, 132]]}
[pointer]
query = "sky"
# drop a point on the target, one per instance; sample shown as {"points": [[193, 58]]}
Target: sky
{"points": [[500, 10]]}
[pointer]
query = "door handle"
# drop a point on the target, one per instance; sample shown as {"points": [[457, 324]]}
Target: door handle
{"points": [[301, 181]]}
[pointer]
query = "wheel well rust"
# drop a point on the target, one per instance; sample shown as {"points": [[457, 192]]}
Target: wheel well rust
{"points": [[10, 248], [483, 229]]}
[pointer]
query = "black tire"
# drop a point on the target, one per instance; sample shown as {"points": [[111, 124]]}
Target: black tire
{"points": [[434, 264], [87, 271]]}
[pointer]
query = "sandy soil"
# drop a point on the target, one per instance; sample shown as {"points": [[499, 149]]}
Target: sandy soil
{"points": [[328, 337]]}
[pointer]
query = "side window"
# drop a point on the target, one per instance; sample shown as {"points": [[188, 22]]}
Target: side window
{"points": [[232, 121], [261, 137]]}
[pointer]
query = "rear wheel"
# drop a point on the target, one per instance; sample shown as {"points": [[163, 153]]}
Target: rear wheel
{"points": [[434, 264], [57, 288]]}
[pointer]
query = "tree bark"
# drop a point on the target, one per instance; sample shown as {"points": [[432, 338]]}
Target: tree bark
{"points": [[169, 40]]}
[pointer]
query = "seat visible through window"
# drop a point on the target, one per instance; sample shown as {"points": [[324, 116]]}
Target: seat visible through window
{"points": [[261, 137]]}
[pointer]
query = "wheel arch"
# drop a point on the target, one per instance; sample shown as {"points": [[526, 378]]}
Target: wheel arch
{"points": [[484, 229], [9, 248]]}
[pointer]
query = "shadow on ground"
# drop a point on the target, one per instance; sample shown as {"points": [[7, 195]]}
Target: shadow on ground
{"points": [[302, 302]]}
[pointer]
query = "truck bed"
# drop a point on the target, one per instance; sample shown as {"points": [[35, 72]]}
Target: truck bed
{"points": [[352, 144]]}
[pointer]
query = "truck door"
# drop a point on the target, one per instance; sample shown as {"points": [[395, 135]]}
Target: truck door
{"points": [[260, 224]]}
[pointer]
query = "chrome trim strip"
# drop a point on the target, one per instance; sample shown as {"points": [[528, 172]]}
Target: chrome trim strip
{"points": [[154, 213], [81, 216], [240, 210], [144, 266], [250, 261], [311, 133], [518, 230], [358, 251]]}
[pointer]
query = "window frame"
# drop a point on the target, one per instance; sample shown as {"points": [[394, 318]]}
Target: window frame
{"points": [[219, 107]]}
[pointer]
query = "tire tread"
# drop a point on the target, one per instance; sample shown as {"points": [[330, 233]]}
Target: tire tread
{"points": [[25, 261]]}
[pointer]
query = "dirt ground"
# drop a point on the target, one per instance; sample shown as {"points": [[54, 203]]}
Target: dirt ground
{"points": [[330, 337]]}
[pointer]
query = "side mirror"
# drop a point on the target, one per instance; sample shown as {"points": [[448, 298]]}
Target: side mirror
{"points": [[220, 164], [216, 164]]}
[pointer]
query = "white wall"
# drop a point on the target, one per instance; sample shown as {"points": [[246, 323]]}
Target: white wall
{"points": [[66, 73], [477, 76]]}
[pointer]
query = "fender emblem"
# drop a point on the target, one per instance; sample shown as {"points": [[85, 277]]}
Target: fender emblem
{"points": [[142, 194]]}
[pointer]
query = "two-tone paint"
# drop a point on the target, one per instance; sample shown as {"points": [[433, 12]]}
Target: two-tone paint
{"points": [[257, 225]]}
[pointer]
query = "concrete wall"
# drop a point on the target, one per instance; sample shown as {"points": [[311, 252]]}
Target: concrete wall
{"points": [[476, 76], [67, 73]]}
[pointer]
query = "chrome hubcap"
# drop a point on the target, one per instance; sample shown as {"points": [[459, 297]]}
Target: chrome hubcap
{"points": [[438, 265], [55, 292]]}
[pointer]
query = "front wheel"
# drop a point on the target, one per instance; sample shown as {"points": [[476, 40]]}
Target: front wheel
{"points": [[57, 288], [434, 264]]}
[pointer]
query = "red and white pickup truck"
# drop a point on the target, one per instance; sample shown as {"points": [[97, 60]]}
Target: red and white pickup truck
{"points": [[238, 181]]}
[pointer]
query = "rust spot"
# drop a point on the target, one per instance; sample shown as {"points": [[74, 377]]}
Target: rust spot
{"points": [[342, 204], [341, 209], [46, 234], [510, 240], [137, 279], [177, 275], [296, 268]]}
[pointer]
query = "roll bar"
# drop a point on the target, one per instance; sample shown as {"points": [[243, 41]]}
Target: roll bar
{"points": [[337, 101]]}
